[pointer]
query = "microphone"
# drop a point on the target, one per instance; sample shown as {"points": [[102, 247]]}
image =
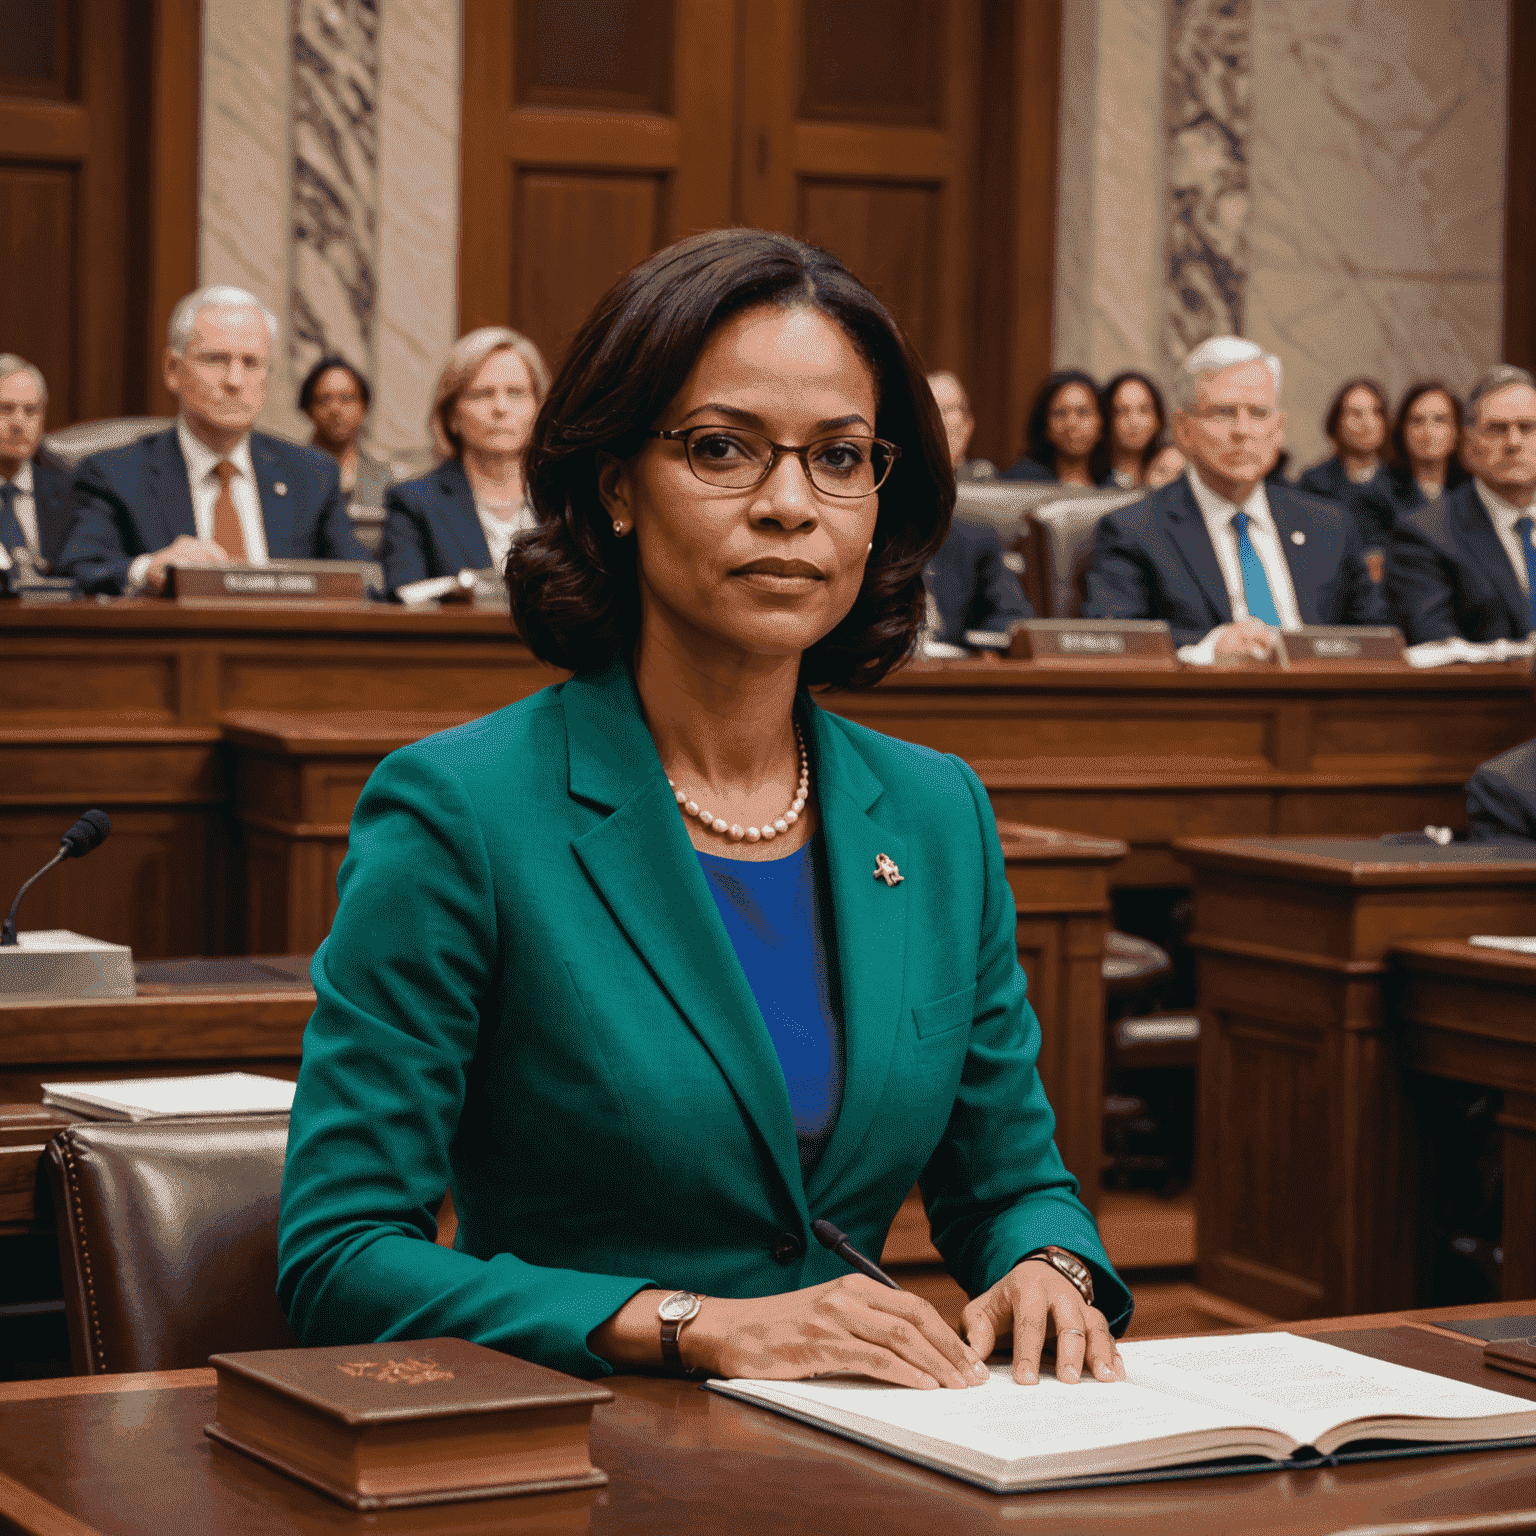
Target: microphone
{"points": [[87, 833]]}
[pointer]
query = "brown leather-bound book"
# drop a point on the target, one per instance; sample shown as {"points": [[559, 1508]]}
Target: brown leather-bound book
{"points": [[1517, 1355], [422, 1422]]}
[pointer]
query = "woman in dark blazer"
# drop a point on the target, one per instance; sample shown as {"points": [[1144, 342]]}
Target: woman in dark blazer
{"points": [[1355, 478], [662, 964], [1064, 438], [466, 513], [1426, 433]]}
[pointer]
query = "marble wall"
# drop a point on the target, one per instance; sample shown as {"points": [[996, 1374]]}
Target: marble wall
{"points": [[1377, 172], [1109, 225], [330, 190]]}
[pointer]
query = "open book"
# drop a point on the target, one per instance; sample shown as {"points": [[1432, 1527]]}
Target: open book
{"points": [[1267, 1395]]}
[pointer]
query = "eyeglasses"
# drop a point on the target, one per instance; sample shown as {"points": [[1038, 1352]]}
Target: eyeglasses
{"points": [[224, 362], [1259, 414], [733, 459]]}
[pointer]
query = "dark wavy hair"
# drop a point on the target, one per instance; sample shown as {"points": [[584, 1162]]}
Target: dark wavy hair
{"points": [[1037, 443], [324, 366], [1402, 465], [1336, 409], [1155, 443], [575, 588]]}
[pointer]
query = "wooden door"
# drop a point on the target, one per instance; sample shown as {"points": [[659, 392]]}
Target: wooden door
{"points": [[593, 135], [98, 174]]}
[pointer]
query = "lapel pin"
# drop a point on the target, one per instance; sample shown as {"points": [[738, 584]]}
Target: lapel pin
{"points": [[1298, 537], [280, 488], [885, 869]]}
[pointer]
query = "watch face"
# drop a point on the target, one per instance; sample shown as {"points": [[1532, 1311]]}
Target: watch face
{"points": [[677, 1307]]}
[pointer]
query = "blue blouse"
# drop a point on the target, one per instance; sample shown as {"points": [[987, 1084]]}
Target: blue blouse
{"points": [[777, 920]]}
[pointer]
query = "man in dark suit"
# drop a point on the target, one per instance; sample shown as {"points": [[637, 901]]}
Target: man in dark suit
{"points": [[1501, 797], [209, 490], [35, 502], [1466, 564], [970, 586], [1226, 558]]}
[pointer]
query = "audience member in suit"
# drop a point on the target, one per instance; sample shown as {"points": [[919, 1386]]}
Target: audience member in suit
{"points": [[1501, 797], [1356, 476], [1464, 565], [209, 490], [337, 398], [970, 586], [1426, 433], [464, 514], [1064, 437], [959, 423], [1224, 557], [36, 504], [1139, 453], [649, 1037]]}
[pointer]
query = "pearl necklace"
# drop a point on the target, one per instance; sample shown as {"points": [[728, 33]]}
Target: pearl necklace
{"points": [[769, 830]]}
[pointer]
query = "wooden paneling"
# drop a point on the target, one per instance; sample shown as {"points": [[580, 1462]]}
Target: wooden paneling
{"points": [[612, 57], [39, 219], [98, 167], [872, 61], [1519, 196]]}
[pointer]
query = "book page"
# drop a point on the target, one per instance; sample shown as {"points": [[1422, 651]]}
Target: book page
{"points": [[1306, 1387], [1003, 1424], [144, 1098]]}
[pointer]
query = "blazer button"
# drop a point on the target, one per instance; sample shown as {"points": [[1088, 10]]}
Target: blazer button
{"points": [[787, 1248]]}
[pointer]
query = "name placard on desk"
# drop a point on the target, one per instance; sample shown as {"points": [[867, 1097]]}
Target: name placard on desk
{"points": [[1135, 643], [1349, 645], [334, 581]]}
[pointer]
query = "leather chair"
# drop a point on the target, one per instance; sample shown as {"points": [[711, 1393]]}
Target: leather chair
{"points": [[1006, 505], [168, 1240], [1062, 545], [72, 444]]}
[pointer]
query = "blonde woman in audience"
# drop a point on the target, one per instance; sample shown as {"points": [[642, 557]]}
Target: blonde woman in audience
{"points": [[464, 514], [665, 965], [1139, 456]]}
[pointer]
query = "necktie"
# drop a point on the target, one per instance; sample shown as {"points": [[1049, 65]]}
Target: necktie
{"points": [[1256, 593], [1528, 549], [227, 531], [12, 536]]}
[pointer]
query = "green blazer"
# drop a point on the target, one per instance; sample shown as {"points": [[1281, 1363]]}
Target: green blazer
{"points": [[528, 995]]}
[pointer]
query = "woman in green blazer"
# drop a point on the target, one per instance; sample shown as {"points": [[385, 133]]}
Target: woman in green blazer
{"points": [[562, 980]]}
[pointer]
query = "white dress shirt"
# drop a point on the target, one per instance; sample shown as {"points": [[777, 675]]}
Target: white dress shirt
{"points": [[26, 514], [500, 532], [201, 461], [1504, 515], [1218, 513]]}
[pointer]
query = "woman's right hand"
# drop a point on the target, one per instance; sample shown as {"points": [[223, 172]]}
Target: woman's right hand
{"points": [[849, 1324]]}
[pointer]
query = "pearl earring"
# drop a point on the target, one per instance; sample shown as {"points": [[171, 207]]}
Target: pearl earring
{"points": [[618, 529], [869, 548]]}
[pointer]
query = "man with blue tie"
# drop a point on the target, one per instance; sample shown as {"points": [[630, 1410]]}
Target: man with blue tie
{"points": [[209, 490], [1225, 558], [1466, 564]]}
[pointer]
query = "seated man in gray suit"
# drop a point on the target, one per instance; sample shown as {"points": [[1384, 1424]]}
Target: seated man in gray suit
{"points": [[1466, 564], [35, 502], [1224, 557], [209, 490], [1501, 797]]}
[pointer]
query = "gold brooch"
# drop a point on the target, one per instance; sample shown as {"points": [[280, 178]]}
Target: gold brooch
{"points": [[885, 869]]}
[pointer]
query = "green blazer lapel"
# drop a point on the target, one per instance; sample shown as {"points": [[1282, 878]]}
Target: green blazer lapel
{"points": [[869, 920], [647, 871]]}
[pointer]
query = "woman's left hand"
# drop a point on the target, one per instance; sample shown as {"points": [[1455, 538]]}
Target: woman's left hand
{"points": [[1034, 1302]]}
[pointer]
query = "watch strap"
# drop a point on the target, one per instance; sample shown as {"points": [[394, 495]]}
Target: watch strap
{"points": [[671, 1332], [1068, 1266]]}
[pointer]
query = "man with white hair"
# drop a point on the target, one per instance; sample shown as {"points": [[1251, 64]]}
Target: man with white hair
{"points": [[1225, 558], [209, 490], [1466, 564], [35, 501]]}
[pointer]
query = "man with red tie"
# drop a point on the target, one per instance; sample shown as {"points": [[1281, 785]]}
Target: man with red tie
{"points": [[209, 490]]}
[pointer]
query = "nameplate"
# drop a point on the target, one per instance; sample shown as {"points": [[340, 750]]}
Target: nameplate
{"points": [[1342, 645], [1095, 643], [335, 581]]}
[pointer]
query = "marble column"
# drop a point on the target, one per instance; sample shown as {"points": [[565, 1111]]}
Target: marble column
{"points": [[330, 162], [1109, 226], [1377, 170]]}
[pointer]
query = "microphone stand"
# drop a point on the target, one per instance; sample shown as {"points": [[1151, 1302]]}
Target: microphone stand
{"points": [[8, 931]]}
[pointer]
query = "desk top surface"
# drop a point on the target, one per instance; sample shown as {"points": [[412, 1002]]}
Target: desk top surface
{"points": [[1456, 957], [128, 1455], [1355, 861]]}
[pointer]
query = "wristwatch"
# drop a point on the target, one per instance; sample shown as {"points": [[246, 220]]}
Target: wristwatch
{"points": [[1066, 1264], [679, 1308]]}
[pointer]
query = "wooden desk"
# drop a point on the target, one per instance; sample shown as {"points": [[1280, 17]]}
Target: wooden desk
{"points": [[127, 1454], [1304, 1172], [1469, 1013], [120, 704]]}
